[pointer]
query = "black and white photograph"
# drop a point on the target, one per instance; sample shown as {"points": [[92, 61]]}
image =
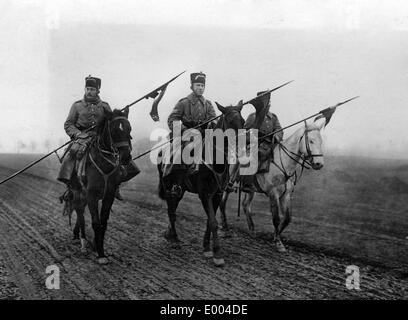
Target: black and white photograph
{"points": [[210, 150]]}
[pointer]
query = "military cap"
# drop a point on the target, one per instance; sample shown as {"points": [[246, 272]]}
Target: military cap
{"points": [[92, 82], [197, 77]]}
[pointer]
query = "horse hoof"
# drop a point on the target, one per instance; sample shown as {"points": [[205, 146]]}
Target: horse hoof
{"points": [[208, 254], [225, 233], [103, 260], [219, 262], [171, 237], [281, 248]]}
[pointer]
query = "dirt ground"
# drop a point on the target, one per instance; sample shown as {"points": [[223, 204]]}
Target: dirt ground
{"points": [[34, 235]]}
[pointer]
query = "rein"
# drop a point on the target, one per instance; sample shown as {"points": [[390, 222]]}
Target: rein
{"points": [[113, 146], [305, 163]]}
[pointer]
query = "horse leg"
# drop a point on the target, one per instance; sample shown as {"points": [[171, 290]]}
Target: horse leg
{"points": [[75, 232], [171, 233], [286, 204], [246, 204], [212, 226], [276, 212], [105, 212], [80, 223], [223, 204], [208, 253], [92, 200]]}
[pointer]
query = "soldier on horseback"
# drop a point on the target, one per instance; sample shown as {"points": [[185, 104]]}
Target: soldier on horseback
{"points": [[81, 126], [265, 146], [191, 111]]}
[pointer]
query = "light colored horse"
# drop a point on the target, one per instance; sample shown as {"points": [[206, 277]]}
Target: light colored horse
{"points": [[304, 146]]}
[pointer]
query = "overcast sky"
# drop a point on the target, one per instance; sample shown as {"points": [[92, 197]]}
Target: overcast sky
{"points": [[332, 49]]}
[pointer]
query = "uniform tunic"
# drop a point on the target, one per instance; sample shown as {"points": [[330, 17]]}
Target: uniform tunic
{"points": [[269, 125], [191, 109], [84, 115]]}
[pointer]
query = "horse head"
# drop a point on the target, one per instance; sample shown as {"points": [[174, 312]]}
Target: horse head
{"points": [[120, 128], [232, 116], [311, 144]]}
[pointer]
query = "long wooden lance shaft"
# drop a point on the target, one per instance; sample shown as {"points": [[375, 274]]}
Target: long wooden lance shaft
{"points": [[33, 163], [68, 142], [153, 91], [204, 123], [41, 159], [267, 92], [303, 120], [168, 141]]}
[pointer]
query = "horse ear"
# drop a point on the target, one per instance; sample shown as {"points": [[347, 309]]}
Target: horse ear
{"points": [[126, 112], [320, 123], [317, 124], [240, 105], [220, 107]]}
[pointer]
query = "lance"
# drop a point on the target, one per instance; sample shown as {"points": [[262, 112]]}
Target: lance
{"points": [[208, 121], [328, 110], [33, 163], [267, 92], [321, 112], [151, 94], [161, 145]]}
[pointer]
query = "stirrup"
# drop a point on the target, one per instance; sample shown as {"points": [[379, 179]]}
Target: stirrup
{"points": [[66, 196]]}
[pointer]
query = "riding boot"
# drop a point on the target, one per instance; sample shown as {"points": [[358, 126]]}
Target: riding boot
{"points": [[67, 198]]}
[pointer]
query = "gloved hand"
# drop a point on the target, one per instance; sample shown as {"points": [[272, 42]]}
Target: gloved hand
{"points": [[81, 135], [211, 125], [190, 124]]}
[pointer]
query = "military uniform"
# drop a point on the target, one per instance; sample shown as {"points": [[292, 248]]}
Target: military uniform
{"points": [[83, 115], [191, 110], [265, 146]]}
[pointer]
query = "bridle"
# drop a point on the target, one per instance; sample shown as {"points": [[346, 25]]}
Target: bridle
{"points": [[306, 160], [120, 144], [113, 152]]}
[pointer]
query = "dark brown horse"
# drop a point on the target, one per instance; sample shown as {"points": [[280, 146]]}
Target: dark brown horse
{"points": [[108, 151], [208, 183]]}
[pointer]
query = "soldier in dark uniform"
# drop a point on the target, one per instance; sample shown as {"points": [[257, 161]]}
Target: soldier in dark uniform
{"points": [[84, 114], [191, 111], [266, 145]]}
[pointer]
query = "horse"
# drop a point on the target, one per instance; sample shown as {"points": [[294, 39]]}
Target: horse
{"points": [[108, 152], [208, 183], [303, 148]]}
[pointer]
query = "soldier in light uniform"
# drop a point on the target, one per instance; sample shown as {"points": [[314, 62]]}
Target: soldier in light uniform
{"points": [[191, 111], [83, 115]]}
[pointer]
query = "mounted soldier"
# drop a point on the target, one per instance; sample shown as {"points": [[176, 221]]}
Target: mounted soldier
{"points": [[81, 126], [190, 111], [265, 146]]}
